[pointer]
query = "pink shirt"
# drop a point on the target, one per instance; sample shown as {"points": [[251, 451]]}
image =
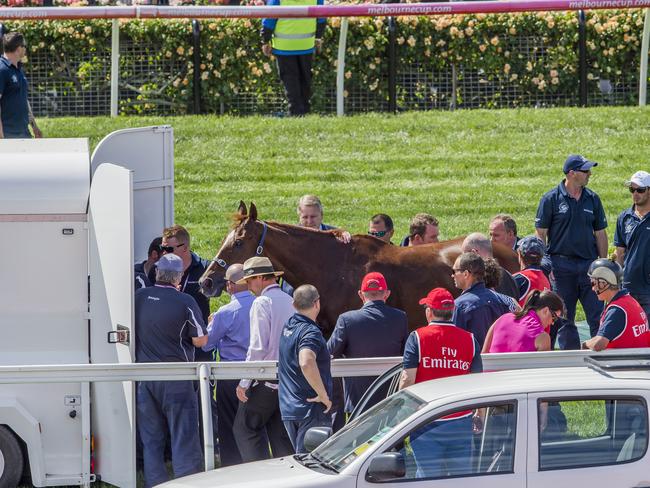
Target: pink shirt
{"points": [[516, 335]]}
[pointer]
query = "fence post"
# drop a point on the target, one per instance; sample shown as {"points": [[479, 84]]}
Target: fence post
{"points": [[206, 416], [582, 55], [392, 64], [340, 68], [454, 87], [115, 66], [196, 83], [643, 75]]}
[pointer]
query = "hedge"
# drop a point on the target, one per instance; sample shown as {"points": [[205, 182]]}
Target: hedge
{"points": [[232, 62]]}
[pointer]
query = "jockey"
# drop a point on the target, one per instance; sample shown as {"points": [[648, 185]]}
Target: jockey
{"points": [[623, 323]]}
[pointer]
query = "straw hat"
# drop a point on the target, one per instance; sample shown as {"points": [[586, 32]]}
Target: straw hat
{"points": [[258, 266]]}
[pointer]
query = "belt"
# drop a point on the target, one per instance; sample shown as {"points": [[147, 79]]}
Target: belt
{"points": [[571, 257], [273, 385]]}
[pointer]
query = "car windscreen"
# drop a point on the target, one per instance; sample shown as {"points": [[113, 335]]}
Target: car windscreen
{"points": [[357, 436]]}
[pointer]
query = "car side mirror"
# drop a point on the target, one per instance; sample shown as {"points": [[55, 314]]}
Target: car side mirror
{"points": [[315, 436], [386, 466]]}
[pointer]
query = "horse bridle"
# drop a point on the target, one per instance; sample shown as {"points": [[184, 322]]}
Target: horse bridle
{"points": [[258, 251]]}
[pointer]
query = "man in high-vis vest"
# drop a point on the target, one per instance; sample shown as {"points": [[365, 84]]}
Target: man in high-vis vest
{"points": [[442, 447], [623, 323], [293, 42]]}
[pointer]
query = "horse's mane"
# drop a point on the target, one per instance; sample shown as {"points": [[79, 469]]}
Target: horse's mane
{"points": [[237, 219]]}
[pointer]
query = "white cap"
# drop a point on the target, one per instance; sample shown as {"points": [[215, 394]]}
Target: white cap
{"points": [[640, 178]]}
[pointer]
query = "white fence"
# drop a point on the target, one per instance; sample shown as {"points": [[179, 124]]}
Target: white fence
{"points": [[207, 372]]}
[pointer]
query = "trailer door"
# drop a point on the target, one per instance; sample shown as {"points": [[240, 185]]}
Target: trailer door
{"points": [[149, 152], [111, 311]]}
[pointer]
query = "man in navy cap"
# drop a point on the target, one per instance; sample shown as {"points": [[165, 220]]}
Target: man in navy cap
{"points": [[168, 328], [571, 220], [632, 240]]}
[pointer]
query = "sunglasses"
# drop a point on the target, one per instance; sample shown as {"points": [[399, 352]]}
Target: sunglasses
{"points": [[377, 233], [458, 270], [555, 315], [638, 190], [583, 170], [169, 249]]}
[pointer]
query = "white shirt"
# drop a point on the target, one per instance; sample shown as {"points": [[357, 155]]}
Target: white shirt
{"points": [[269, 313]]}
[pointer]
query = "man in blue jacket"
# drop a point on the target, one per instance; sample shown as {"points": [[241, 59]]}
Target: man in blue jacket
{"points": [[375, 330], [477, 307], [293, 42]]}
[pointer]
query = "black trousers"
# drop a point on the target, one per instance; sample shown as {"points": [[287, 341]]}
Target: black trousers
{"points": [[227, 404], [258, 423], [295, 73]]}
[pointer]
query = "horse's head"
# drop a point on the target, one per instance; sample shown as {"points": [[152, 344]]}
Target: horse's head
{"points": [[240, 244]]}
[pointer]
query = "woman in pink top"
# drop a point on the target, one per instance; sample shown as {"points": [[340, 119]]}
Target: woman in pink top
{"points": [[527, 329]]}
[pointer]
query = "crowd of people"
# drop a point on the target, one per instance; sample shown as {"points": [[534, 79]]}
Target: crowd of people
{"points": [[531, 310]]}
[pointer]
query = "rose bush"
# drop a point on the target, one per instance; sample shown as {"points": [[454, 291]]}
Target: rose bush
{"points": [[537, 53]]}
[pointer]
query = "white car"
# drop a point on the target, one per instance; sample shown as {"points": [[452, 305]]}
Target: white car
{"points": [[552, 427]]}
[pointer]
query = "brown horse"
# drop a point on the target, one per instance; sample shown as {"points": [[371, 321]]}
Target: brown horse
{"points": [[336, 269]]}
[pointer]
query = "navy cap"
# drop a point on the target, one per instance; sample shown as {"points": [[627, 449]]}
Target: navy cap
{"points": [[576, 162], [170, 262], [531, 246]]}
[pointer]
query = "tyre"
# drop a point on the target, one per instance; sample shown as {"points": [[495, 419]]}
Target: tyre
{"points": [[11, 459]]}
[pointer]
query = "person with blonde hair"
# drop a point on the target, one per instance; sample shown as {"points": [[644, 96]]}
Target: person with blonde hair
{"points": [[310, 213]]}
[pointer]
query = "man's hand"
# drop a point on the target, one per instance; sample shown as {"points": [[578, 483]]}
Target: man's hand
{"points": [[322, 399], [37, 132], [319, 46], [241, 394], [342, 236], [267, 49]]}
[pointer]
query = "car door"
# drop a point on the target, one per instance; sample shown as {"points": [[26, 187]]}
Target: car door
{"points": [[478, 444], [383, 387], [595, 438]]}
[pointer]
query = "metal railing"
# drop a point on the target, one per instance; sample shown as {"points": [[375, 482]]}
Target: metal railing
{"points": [[261, 370]]}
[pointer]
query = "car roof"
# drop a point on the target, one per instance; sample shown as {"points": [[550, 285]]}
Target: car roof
{"points": [[528, 381]]}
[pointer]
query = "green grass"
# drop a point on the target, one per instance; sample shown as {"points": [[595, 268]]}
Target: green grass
{"points": [[463, 167]]}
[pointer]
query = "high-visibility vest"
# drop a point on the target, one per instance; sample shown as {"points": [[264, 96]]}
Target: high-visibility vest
{"points": [[295, 34], [445, 350], [635, 333], [536, 280]]}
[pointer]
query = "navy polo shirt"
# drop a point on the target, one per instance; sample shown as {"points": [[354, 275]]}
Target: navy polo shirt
{"points": [[165, 322], [298, 333], [478, 307], [633, 233], [190, 285], [13, 99], [571, 223]]}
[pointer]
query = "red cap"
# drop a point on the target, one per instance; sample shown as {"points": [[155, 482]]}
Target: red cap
{"points": [[374, 282], [438, 299]]}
